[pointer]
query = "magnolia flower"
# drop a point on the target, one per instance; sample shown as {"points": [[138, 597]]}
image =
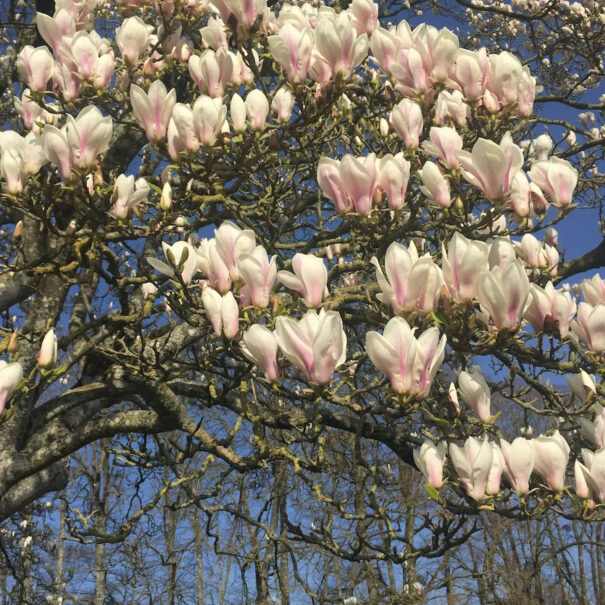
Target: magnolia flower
{"points": [[153, 109], [410, 363], [309, 279], [258, 274], [292, 48], [582, 385], [393, 175], [557, 178], [452, 396], [443, 144], [475, 392], [518, 463], [439, 49], [349, 183], [259, 345], [148, 289], [503, 294], [240, 15], [406, 118], [36, 66], [411, 74], [525, 198], [132, 38], [338, 49], [492, 167], [470, 72], [537, 254], [208, 119], [79, 142], [594, 431], [181, 257], [283, 104], [549, 310], [47, 356], [510, 81], [257, 109], [181, 134], [11, 374], [435, 185], [90, 57], [222, 311], [212, 265], [590, 326], [590, 477], [237, 110], [231, 241], [166, 197], [473, 462], [211, 71], [33, 115], [385, 45], [593, 290], [127, 193], [364, 16], [411, 283], [450, 106], [462, 264], [316, 345], [56, 29], [20, 157], [542, 147], [550, 459], [429, 459]]}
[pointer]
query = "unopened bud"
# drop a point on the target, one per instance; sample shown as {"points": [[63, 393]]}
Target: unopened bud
{"points": [[13, 345], [166, 197], [47, 357], [384, 127]]}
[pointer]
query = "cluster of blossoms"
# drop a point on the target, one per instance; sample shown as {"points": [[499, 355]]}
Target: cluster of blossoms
{"points": [[357, 183], [432, 79], [480, 464], [493, 273], [232, 261], [11, 374], [304, 41]]}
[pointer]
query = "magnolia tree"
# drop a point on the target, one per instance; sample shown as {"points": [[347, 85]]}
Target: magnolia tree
{"points": [[293, 238]]}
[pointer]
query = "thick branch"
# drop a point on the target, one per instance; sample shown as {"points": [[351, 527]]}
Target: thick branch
{"points": [[591, 260]]}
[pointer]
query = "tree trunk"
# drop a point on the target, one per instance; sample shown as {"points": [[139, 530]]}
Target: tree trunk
{"points": [[27, 562], [101, 485], [169, 535], [58, 582], [199, 555]]}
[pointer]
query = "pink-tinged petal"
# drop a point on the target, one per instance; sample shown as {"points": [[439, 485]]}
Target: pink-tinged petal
{"points": [[495, 473], [295, 344], [57, 150], [230, 316], [259, 345], [331, 183], [430, 459], [291, 282], [212, 302], [518, 463], [11, 374], [329, 347], [472, 463], [550, 459], [384, 356]]}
